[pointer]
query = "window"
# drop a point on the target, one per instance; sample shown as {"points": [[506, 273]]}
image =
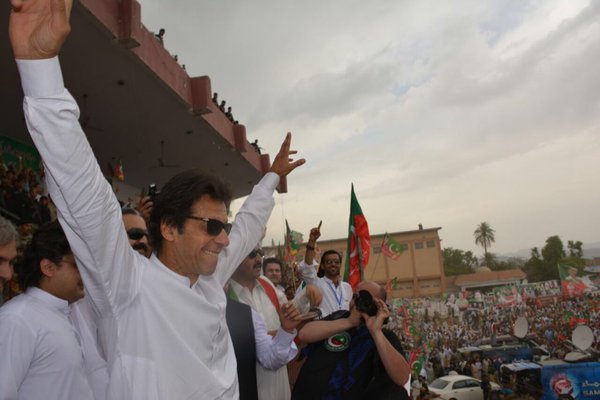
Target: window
{"points": [[431, 243], [418, 245], [459, 385]]}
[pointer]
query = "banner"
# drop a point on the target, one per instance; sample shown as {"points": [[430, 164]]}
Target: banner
{"points": [[573, 283]]}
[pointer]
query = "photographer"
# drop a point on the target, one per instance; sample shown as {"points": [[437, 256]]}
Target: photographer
{"points": [[352, 356]]}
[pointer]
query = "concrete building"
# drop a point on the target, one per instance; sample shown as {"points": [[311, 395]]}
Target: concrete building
{"points": [[137, 103]]}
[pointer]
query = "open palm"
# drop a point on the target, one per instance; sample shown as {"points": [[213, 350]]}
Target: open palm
{"points": [[38, 28]]}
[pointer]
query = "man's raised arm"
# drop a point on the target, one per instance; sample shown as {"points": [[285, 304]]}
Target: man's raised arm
{"points": [[251, 220], [87, 207]]}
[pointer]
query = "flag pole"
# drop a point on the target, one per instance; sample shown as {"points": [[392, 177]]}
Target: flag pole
{"points": [[360, 257]]}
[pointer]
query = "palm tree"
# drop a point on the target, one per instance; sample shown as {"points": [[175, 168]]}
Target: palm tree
{"points": [[484, 236]]}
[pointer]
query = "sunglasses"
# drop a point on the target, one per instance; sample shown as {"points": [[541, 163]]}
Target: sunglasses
{"points": [[137, 233], [255, 253], [213, 226]]}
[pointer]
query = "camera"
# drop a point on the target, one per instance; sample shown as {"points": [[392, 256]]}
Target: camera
{"points": [[152, 191], [364, 303]]}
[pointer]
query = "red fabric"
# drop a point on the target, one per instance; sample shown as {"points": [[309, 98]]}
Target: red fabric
{"points": [[270, 291], [361, 232]]}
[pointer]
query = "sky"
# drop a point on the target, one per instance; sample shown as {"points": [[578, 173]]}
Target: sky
{"points": [[441, 113]]}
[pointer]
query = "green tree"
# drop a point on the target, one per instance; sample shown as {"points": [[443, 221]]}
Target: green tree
{"points": [[458, 262], [575, 249], [545, 267], [575, 257], [534, 266], [484, 237]]}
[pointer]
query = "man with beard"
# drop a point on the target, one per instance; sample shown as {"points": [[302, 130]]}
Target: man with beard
{"points": [[336, 293], [41, 353], [249, 287]]}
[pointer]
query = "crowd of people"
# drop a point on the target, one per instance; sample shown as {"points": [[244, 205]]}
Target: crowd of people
{"points": [[448, 344], [22, 195]]}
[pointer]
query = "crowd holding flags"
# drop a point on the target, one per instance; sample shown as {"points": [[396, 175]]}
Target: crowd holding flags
{"points": [[359, 244]]}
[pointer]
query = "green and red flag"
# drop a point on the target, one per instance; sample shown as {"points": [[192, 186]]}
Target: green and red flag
{"points": [[392, 248], [293, 240], [359, 244], [119, 174], [573, 283]]}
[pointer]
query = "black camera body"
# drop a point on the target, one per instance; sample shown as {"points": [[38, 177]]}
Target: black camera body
{"points": [[364, 303], [152, 191]]}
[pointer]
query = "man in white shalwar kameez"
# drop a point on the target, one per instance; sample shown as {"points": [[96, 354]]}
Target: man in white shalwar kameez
{"points": [[163, 328]]}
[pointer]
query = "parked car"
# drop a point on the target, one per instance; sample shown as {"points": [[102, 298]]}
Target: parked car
{"points": [[460, 387]]}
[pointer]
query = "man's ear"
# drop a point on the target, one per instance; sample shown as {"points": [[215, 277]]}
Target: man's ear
{"points": [[47, 267], [168, 232]]}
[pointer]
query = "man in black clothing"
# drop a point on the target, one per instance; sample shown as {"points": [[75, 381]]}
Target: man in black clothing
{"points": [[352, 357]]}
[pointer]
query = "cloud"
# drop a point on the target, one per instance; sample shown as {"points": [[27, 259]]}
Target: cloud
{"points": [[447, 114]]}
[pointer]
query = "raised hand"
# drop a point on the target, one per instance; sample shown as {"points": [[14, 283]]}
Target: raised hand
{"points": [[283, 164], [144, 206], [315, 233], [38, 28], [375, 323], [289, 317]]}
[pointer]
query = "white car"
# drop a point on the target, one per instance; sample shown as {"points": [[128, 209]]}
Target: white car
{"points": [[459, 387]]}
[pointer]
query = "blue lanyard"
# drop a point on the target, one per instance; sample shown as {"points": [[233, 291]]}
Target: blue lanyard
{"points": [[338, 299]]}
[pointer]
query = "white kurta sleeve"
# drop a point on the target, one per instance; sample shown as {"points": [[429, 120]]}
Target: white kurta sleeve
{"points": [[272, 352], [308, 272], [87, 207], [17, 347]]}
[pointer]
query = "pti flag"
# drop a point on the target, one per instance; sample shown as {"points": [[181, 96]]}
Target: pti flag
{"points": [[293, 240], [573, 284], [359, 244], [391, 248], [119, 174]]}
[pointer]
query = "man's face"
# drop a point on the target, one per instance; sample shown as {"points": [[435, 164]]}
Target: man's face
{"points": [[273, 272], [250, 267], [137, 233], [8, 253], [332, 265], [66, 280], [196, 252]]}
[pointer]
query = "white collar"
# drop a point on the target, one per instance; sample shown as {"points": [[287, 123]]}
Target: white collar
{"points": [[183, 279], [45, 297]]}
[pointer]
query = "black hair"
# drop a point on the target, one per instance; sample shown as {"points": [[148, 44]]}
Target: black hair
{"points": [[272, 260], [174, 203], [48, 242]]}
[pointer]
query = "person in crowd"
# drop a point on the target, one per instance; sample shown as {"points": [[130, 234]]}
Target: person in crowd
{"points": [[160, 36], [254, 346], [41, 353], [248, 286], [9, 238], [272, 268], [353, 357], [185, 350], [336, 293], [137, 232]]}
